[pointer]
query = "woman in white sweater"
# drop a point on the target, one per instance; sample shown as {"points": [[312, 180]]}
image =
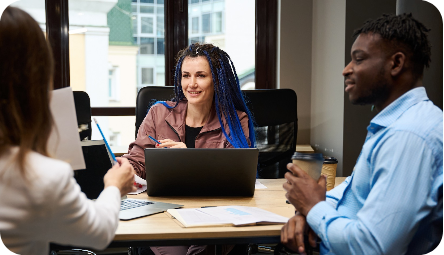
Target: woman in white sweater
{"points": [[40, 201]]}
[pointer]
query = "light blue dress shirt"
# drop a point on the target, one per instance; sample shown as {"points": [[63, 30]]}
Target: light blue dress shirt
{"points": [[392, 202]]}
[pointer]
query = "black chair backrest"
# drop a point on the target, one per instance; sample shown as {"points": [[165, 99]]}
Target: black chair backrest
{"points": [[147, 96], [83, 113], [276, 124], [275, 115]]}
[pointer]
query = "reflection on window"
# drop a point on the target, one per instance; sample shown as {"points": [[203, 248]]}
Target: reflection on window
{"points": [[147, 1], [194, 2]]}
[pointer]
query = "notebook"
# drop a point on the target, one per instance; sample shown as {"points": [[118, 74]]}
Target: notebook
{"points": [[98, 161], [201, 172]]}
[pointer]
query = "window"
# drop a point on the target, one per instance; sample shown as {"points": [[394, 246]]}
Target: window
{"points": [[146, 9], [160, 46], [209, 23], [195, 25], [147, 26], [160, 26], [89, 52], [146, 45], [206, 23], [217, 22], [147, 75], [113, 83]]}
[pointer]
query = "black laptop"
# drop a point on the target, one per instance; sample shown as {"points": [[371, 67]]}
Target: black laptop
{"points": [[201, 172], [98, 161]]}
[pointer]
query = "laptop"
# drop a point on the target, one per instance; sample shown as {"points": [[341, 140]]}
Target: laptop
{"points": [[201, 172], [98, 161]]}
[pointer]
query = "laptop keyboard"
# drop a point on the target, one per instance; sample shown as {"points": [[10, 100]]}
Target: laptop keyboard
{"points": [[130, 204]]}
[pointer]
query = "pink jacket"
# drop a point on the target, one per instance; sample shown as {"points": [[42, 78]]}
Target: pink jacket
{"points": [[163, 123]]}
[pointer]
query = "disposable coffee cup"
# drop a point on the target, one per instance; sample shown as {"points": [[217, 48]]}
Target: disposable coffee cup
{"points": [[311, 163], [329, 169]]}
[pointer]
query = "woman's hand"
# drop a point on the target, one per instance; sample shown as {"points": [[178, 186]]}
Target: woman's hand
{"points": [[168, 143], [121, 175]]}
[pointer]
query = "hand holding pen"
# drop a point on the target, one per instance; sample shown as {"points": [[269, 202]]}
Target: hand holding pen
{"points": [[106, 143], [121, 175], [168, 143]]}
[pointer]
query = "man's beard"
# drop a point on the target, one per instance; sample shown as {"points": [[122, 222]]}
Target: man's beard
{"points": [[378, 93]]}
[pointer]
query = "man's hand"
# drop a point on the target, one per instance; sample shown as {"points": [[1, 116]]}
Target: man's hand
{"points": [[302, 191], [292, 233]]}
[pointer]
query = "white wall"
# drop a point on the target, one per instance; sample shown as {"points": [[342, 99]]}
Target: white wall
{"points": [[311, 59], [295, 58], [327, 83]]}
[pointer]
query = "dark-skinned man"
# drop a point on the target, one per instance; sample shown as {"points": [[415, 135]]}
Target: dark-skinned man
{"points": [[392, 202]]}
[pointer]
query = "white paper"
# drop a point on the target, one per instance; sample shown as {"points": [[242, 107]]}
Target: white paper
{"points": [[141, 185], [64, 141], [259, 185], [240, 215], [237, 215]]}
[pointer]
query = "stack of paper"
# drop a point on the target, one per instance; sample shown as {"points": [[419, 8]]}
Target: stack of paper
{"points": [[225, 216]]}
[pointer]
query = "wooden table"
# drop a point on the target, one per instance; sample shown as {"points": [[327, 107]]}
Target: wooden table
{"points": [[161, 230]]}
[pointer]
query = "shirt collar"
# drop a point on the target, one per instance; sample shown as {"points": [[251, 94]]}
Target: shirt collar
{"points": [[394, 110]]}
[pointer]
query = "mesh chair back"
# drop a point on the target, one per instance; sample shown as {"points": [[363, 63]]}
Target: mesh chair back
{"points": [[83, 113], [147, 96], [276, 124]]}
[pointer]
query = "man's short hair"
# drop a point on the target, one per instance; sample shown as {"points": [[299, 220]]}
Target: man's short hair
{"points": [[404, 33]]}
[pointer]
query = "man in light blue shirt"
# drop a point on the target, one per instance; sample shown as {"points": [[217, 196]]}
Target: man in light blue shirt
{"points": [[392, 202]]}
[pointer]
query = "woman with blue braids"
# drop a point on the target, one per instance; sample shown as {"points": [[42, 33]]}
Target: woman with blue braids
{"points": [[208, 111]]}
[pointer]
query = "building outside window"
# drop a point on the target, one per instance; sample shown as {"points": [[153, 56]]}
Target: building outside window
{"points": [[122, 48]]}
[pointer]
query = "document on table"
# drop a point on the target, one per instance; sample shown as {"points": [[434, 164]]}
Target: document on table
{"points": [[225, 216], [259, 185], [140, 184]]}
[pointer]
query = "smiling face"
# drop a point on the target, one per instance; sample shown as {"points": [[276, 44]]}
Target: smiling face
{"points": [[197, 81], [367, 76]]}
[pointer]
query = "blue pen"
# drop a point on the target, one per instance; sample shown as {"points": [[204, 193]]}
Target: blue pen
{"points": [[106, 143], [152, 138]]}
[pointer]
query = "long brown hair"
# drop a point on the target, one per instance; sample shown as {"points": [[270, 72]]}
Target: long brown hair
{"points": [[26, 68]]}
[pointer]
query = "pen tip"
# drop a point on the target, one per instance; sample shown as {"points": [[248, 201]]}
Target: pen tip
{"points": [[95, 120]]}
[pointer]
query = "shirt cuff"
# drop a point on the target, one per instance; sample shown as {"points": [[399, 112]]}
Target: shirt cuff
{"points": [[316, 216], [111, 191]]}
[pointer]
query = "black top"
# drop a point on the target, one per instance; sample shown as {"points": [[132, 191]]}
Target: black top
{"points": [[190, 135]]}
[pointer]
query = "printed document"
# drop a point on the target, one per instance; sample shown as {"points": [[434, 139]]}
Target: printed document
{"points": [[225, 216]]}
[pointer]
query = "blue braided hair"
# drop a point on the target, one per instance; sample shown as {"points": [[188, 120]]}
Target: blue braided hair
{"points": [[227, 93]]}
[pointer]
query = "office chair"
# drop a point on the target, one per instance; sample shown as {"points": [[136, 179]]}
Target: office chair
{"points": [[83, 113], [146, 97], [276, 124]]}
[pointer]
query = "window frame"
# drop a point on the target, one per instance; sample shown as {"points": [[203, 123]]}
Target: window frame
{"points": [[176, 38]]}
